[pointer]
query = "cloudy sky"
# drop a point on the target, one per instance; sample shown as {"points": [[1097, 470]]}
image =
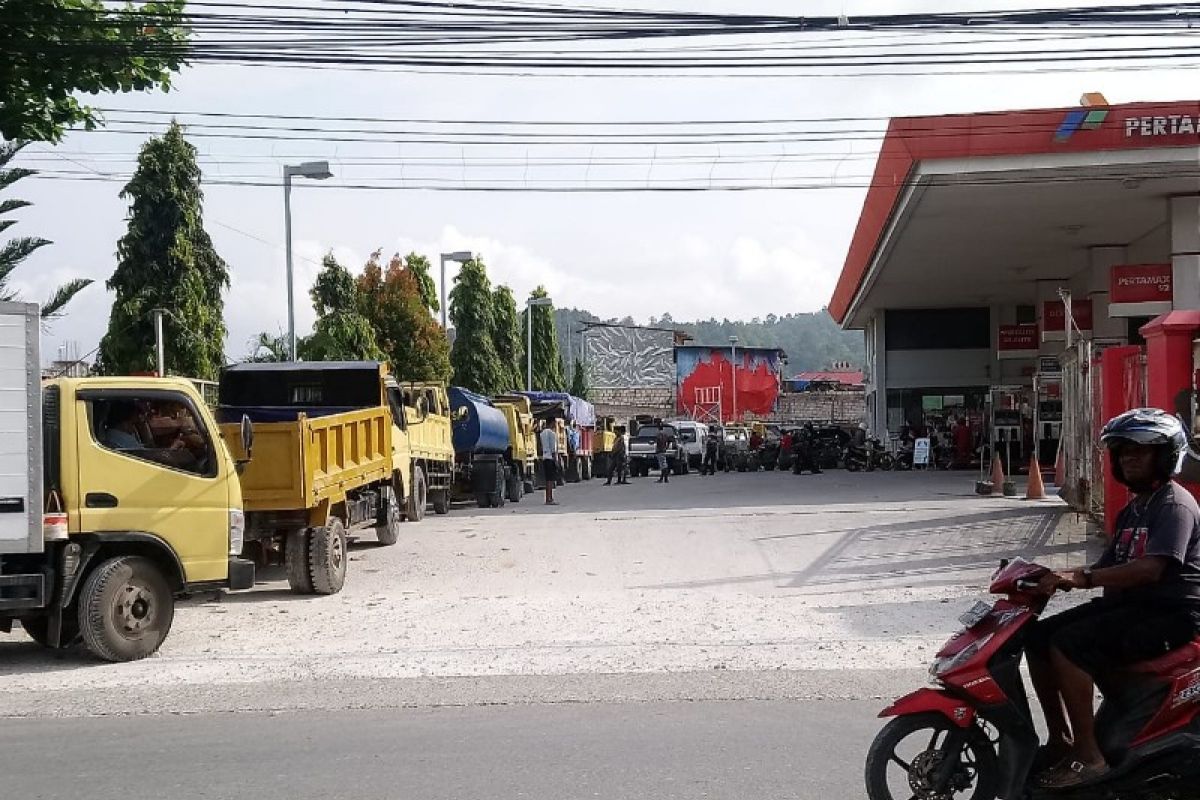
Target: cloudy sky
{"points": [[736, 255]]}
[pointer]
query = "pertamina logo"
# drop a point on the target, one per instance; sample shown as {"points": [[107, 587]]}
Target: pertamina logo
{"points": [[1088, 119]]}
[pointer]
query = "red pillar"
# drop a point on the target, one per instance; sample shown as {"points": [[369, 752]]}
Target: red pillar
{"points": [[1115, 364], [1169, 368]]}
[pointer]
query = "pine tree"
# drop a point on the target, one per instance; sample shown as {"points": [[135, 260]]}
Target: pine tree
{"points": [[166, 260], [476, 364], [396, 305], [14, 251], [508, 338], [579, 381], [341, 333], [548, 372]]}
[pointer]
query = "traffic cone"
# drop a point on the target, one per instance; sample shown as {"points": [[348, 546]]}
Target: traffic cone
{"points": [[997, 475], [1036, 490], [1060, 469]]}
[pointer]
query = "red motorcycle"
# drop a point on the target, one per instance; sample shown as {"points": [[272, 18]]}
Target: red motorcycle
{"points": [[974, 736]]}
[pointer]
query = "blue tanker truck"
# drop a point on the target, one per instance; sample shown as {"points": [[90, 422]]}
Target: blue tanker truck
{"points": [[482, 451]]}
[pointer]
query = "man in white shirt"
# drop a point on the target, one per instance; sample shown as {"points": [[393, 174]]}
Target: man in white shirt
{"points": [[549, 448]]}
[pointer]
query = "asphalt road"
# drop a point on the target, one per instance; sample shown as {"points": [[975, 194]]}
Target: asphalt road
{"points": [[648, 751]]}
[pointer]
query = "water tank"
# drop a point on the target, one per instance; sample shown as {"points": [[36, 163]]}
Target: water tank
{"points": [[482, 429]]}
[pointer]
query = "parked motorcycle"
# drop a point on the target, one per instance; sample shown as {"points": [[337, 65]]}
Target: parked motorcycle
{"points": [[974, 736], [870, 457]]}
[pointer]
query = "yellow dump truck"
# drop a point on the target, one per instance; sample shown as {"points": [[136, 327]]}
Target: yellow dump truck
{"points": [[330, 456], [522, 435], [427, 413], [603, 445], [116, 495]]}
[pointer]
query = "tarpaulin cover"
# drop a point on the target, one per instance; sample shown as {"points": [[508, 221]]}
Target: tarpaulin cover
{"points": [[576, 410], [484, 428]]}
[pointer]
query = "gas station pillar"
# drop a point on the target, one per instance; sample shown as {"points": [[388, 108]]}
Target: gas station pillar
{"points": [[1101, 262], [1185, 251]]}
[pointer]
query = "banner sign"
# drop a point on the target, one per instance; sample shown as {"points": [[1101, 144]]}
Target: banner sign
{"points": [[1054, 317], [1140, 290], [1017, 341]]}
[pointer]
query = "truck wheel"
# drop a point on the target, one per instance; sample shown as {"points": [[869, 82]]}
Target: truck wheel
{"points": [[327, 557], [585, 469], [513, 489], [419, 496], [387, 528], [527, 486], [125, 609], [483, 500], [441, 501], [295, 558]]}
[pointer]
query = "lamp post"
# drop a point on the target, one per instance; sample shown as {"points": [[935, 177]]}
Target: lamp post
{"points": [[529, 304], [459, 256], [733, 341], [317, 171]]}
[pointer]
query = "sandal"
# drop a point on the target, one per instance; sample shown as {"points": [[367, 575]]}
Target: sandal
{"points": [[1050, 758], [1072, 774]]}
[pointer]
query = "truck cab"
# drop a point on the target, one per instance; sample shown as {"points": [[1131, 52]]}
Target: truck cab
{"points": [[430, 438], [116, 495]]}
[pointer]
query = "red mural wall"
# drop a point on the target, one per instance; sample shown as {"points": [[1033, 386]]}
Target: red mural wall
{"points": [[757, 384]]}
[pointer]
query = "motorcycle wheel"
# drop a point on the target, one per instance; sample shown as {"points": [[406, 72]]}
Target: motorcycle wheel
{"points": [[905, 757], [887, 462], [853, 466]]}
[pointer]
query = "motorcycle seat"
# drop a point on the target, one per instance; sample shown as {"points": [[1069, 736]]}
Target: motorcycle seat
{"points": [[1180, 657]]}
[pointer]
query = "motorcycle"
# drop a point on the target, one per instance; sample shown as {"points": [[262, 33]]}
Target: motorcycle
{"points": [[871, 457], [975, 735]]}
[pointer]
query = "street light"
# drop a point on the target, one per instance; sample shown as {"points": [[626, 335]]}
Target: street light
{"points": [[529, 304], [733, 341], [318, 171], [459, 256]]}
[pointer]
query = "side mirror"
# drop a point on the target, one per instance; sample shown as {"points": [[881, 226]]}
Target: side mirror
{"points": [[247, 436]]}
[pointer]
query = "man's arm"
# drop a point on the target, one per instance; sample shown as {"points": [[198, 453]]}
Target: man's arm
{"points": [[1142, 572]]}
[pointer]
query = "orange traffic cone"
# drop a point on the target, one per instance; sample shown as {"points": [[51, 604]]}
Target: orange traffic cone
{"points": [[997, 475], [1060, 469], [1037, 488]]}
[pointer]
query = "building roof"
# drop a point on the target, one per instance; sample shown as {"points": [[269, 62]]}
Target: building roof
{"points": [[849, 378], [970, 209]]}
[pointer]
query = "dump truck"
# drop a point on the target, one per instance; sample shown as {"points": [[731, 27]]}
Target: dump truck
{"points": [[116, 496], [575, 422], [430, 442], [482, 450], [522, 437], [603, 443], [331, 456]]}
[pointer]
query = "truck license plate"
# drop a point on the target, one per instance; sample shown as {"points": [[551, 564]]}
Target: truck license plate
{"points": [[975, 614]]}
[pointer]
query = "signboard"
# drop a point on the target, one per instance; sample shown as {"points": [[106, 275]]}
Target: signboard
{"points": [[1048, 365], [1054, 318], [1140, 290], [1017, 341], [921, 451]]}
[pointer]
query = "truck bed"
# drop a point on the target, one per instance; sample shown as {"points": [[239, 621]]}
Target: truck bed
{"points": [[298, 464]]}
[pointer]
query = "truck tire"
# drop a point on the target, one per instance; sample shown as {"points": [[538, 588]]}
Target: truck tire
{"points": [[327, 557], [441, 501], [126, 608], [513, 489], [387, 528], [585, 469], [419, 497], [483, 500], [295, 559]]}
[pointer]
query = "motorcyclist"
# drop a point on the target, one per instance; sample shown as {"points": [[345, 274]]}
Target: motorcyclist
{"points": [[1150, 574]]}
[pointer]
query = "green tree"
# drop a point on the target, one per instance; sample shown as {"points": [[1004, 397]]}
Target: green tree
{"points": [[508, 339], [166, 260], [579, 381], [14, 251], [394, 303], [418, 266], [55, 49], [476, 364], [268, 348], [548, 372], [341, 332]]}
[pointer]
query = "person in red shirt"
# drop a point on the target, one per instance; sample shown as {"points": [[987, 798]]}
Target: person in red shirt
{"points": [[962, 443]]}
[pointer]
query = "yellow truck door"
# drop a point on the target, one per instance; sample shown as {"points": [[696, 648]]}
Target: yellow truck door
{"points": [[149, 462]]}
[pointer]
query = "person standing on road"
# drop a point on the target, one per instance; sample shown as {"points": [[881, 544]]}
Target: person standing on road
{"points": [[549, 442], [712, 444], [619, 455], [805, 446], [660, 452]]}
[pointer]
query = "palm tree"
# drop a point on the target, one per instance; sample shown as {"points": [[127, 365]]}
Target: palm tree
{"points": [[14, 251]]}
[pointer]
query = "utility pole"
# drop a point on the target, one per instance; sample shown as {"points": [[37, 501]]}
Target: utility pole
{"points": [[160, 347]]}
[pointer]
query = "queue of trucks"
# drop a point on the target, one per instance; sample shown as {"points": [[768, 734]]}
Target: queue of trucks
{"points": [[119, 494]]}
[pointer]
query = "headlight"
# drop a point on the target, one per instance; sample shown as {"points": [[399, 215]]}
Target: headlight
{"points": [[943, 666], [237, 531]]}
